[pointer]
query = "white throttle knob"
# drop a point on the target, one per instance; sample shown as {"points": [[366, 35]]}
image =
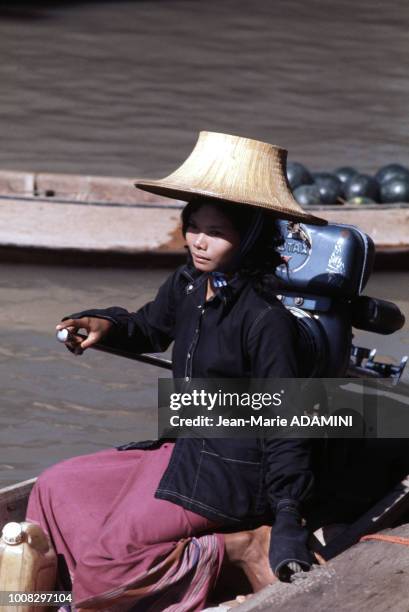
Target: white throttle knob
{"points": [[63, 335]]}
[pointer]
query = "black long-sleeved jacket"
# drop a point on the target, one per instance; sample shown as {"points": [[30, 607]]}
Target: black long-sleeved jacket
{"points": [[236, 334]]}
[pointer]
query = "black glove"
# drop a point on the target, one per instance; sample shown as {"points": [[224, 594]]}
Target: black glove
{"points": [[288, 544]]}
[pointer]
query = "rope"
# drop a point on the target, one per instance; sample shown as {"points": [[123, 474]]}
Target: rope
{"points": [[386, 538]]}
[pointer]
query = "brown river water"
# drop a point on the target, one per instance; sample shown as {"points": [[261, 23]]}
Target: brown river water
{"points": [[122, 88]]}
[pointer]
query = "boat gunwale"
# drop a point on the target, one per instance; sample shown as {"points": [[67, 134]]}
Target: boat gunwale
{"points": [[178, 205]]}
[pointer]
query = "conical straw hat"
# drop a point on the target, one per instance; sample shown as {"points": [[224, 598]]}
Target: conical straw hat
{"points": [[233, 169]]}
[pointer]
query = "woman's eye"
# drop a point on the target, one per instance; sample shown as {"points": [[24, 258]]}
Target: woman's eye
{"points": [[215, 233]]}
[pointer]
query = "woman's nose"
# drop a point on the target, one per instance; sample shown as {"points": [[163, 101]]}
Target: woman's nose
{"points": [[200, 242]]}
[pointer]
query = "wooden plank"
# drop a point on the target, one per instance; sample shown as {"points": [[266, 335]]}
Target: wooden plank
{"points": [[123, 229], [370, 576]]}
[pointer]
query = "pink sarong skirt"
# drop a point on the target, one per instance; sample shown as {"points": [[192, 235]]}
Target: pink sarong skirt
{"points": [[124, 548]]}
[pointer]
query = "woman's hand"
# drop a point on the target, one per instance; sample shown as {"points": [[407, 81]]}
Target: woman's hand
{"points": [[96, 329]]}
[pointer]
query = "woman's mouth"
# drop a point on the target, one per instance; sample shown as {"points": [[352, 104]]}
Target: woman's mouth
{"points": [[200, 258]]}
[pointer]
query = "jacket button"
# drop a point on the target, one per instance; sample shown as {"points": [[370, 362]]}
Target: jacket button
{"points": [[187, 378], [190, 287], [188, 355]]}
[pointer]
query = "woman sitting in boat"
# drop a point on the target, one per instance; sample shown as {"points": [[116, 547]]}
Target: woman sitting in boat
{"points": [[142, 526]]}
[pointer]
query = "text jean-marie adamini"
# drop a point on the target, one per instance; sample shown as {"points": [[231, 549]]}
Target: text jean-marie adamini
{"points": [[260, 421]]}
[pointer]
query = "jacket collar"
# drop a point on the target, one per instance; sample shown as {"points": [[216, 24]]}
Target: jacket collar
{"points": [[195, 280]]}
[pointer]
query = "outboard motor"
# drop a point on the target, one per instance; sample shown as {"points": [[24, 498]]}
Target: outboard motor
{"points": [[325, 271]]}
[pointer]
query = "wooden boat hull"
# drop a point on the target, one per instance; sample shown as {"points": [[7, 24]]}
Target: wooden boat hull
{"points": [[103, 218], [13, 501]]}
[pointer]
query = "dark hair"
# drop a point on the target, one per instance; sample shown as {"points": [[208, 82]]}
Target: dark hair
{"points": [[260, 263]]}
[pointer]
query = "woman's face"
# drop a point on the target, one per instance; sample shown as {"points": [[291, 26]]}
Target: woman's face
{"points": [[212, 239]]}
